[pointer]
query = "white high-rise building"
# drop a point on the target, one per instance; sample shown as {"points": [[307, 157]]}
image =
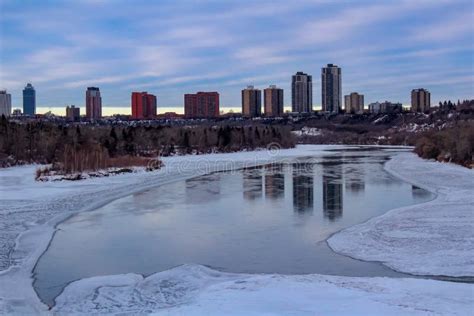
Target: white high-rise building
{"points": [[5, 103]]}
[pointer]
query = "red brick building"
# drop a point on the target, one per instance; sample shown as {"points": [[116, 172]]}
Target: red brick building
{"points": [[93, 103], [201, 105], [143, 105], [151, 105]]}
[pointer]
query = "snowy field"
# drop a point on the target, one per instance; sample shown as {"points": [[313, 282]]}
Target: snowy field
{"points": [[197, 290], [29, 212], [434, 238]]}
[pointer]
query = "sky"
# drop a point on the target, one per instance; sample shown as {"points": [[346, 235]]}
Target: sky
{"points": [[168, 48]]}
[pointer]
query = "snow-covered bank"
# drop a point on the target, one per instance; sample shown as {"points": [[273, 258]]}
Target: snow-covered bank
{"points": [[197, 290], [434, 238], [29, 210]]}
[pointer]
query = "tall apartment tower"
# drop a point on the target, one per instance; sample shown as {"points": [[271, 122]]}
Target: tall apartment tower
{"points": [[143, 105], [201, 105], [331, 90], [29, 100], [93, 103], [5, 103], [190, 105], [273, 101], [420, 100], [72, 113], [301, 93], [354, 103], [251, 102]]}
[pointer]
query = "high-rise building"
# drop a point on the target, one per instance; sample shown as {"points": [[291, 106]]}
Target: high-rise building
{"points": [[16, 112], [29, 100], [73, 113], [385, 107], [420, 100], [93, 103], [151, 103], [273, 101], [354, 103], [5, 103], [251, 102], [331, 89], [190, 105], [143, 105], [301, 93], [201, 105]]}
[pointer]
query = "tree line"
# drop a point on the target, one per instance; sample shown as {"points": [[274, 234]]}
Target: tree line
{"points": [[455, 144], [44, 142]]}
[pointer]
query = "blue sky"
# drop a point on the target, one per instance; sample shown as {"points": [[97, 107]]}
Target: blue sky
{"points": [[168, 48]]}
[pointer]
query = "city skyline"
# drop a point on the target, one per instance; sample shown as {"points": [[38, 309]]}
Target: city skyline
{"points": [[207, 105], [209, 48]]}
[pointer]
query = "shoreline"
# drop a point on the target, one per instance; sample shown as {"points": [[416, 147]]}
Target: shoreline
{"points": [[32, 243], [395, 240]]}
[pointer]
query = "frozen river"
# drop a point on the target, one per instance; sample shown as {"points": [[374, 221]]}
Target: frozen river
{"points": [[269, 219]]}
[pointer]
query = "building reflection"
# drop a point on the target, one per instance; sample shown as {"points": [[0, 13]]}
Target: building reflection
{"points": [[303, 188], [252, 183], [355, 186], [332, 191], [354, 180], [274, 182], [419, 193], [203, 189]]}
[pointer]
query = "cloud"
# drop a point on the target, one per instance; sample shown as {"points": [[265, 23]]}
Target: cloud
{"points": [[340, 25], [157, 61], [197, 36], [98, 81], [179, 46], [259, 55], [447, 28], [258, 80]]}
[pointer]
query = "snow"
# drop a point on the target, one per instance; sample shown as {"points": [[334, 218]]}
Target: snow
{"points": [[434, 238], [197, 290], [30, 210], [308, 131]]}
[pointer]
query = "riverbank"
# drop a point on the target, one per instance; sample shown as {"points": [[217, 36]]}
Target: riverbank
{"points": [[434, 238], [197, 290], [30, 211]]}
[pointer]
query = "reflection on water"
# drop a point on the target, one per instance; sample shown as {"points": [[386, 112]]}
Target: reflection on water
{"points": [[201, 190], [303, 189], [419, 193], [355, 186], [332, 197], [269, 219], [252, 183], [274, 181]]}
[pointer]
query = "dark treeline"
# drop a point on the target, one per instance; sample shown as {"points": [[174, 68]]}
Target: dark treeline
{"points": [[466, 106], [44, 142], [455, 144]]}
